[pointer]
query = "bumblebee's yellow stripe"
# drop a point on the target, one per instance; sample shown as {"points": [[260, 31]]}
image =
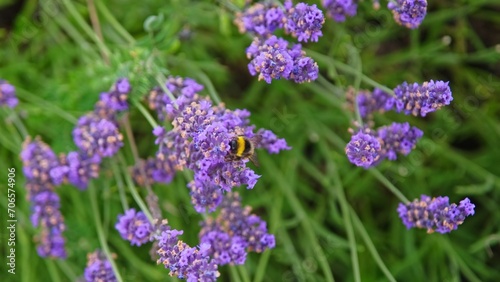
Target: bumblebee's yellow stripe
{"points": [[241, 146]]}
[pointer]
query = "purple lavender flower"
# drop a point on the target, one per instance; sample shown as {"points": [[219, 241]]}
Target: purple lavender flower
{"points": [[116, 99], [194, 264], [205, 196], [179, 87], [98, 268], [303, 21], [260, 19], [364, 149], [376, 101], [224, 248], [409, 13], [340, 9], [7, 94], [435, 214], [246, 231], [272, 59], [134, 227], [271, 142], [93, 135], [422, 99], [82, 168], [398, 138], [38, 163], [46, 215]]}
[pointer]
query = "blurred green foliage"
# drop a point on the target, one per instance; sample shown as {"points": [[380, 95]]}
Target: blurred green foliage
{"points": [[329, 217]]}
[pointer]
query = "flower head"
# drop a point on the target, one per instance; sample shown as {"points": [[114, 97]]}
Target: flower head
{"points": [[82, 168], [98, 268], [340, 9], [260, 19], [272, 59], [184, 261], [303, 21], [94, 135], [422, 99], [376, 101], [364, 149], [398, 138], [38, 163], [235, 229], [7, 94], [409, 13], [134, 227], [435, 214]]}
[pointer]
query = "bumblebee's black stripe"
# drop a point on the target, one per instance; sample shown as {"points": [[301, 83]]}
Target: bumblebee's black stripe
{"points": [[248, 146]]}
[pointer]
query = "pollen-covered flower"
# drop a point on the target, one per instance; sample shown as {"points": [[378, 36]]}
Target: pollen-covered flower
{"points": [[376, 101], [303, 21], [398, 138], [235, 229], [364, 149], [94, 135], [271, 142], [205, 196], [116, 99], [272, 59], [134, 227], [408, 13], [260, 19], [435, 214], [422, 99], [81, 168], [183, 261], [98, 268], [340, 9], [7, 94], [38, 163], [178, 86]]}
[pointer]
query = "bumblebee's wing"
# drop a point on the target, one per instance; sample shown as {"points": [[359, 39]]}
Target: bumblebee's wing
{"points": [[253, 159], [256, 139]]}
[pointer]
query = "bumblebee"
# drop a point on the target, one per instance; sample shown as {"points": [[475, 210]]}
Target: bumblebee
{"points": [[241, 148]]}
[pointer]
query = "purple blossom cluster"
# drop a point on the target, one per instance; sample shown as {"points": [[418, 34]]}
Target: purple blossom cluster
{"points": [[199, 141], [98, 268], [134, 227], [96, 136], [422, 99], [435, 214], [7, 94], [339, 10], [273, 59], [408, 13], [363, 150], [39, 164], [185, 262], [368, 148], [270, 56], [234, 232]]}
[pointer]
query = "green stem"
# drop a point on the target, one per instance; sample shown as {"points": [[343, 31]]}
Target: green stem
{"points": [[17, 122], [210, 87], [370, 245], [244, 273], [100, 232], [114, 23], [86, 28], [375, 172], [348, 69], [121, 188], [133, 191], [145, 113], [49, 107], [160, 78]]}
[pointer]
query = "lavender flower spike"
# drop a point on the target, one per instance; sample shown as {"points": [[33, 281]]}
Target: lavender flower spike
{"points": [[303, 21], [340, 9], [422, 99], [398, 138], [376, 101], [98, 268], [94, 135], [409, 13], [435, 214], [7, 94], [134, 227], [363, 150], [260, 19]]}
